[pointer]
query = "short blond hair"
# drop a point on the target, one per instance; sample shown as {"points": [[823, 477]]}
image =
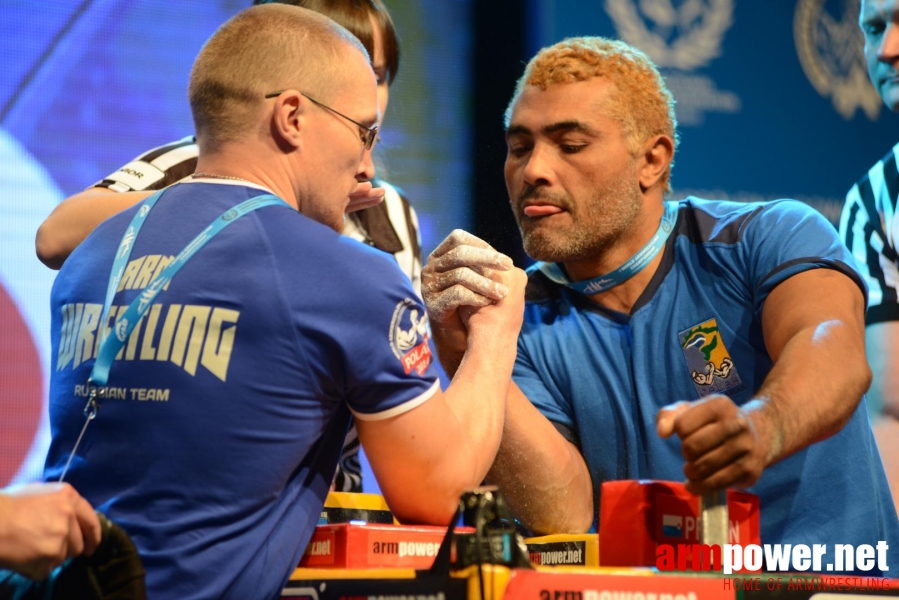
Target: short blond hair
{"points": [[264, 49], [639, 100]]}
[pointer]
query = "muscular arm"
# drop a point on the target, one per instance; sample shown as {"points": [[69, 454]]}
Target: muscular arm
{"points": [[543, 475], [820, 371], [872, 246], [817, 381], [425, 458], [75, 218]]}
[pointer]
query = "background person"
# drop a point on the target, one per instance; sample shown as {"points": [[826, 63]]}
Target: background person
{"points": [[869, 226], [665, 340]]}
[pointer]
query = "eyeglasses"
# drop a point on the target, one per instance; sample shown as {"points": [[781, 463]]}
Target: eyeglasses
{"points": [[368, 134]]}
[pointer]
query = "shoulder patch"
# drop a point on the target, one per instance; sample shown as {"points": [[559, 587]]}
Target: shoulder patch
{"points": [[409, 337]]}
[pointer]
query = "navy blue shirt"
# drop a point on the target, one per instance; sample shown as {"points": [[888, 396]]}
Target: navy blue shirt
{"points": [[229, 403]]}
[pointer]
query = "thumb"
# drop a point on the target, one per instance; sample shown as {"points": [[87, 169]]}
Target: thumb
{"points": [[667, 416]]}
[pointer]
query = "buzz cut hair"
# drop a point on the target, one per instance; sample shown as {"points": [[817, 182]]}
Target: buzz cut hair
{"points": [[638, 100], [260, 50]]}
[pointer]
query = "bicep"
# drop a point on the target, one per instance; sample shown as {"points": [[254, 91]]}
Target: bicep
{"points": [[404, 449], [810, 300]]}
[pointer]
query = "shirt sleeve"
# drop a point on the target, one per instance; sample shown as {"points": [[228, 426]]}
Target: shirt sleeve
{"points": [[156, 169], [551, 403], [369, 335], [789, 237]]}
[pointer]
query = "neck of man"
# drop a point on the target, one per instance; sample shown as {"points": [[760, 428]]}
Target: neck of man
{"points": [[623, 296], [252, 164]]}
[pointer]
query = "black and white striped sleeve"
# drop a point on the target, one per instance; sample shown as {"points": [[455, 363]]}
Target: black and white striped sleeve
{"points": [[870, 228], [155, 169]]}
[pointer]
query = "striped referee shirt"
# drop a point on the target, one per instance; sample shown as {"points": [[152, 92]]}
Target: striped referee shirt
{"points": [[869, 226], [391, 226]]}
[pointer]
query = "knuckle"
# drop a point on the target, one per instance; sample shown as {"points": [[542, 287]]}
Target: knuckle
{"points": [[468, 276], [733, 427], [460, 294], [453, 278], [454, 257], [689, 449], [745, 444]]}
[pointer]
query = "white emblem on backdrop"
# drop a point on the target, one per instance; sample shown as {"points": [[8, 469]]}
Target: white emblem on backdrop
{"points": [[830, 51], [680, 39]]}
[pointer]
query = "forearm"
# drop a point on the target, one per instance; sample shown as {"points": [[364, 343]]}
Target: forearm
{"points": [[543, 476], [814, 388], [450, 351], [470, 427], [447, 444], [75, 218], [480, 387]]}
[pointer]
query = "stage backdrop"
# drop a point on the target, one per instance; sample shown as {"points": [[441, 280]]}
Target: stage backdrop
{"points": [[772, 96], [86, 85]]}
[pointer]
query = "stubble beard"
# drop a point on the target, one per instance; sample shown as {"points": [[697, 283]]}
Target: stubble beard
{"points": [[593, 229]]}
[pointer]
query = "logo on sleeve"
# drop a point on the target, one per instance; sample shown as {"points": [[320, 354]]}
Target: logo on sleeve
{"points": [[710, 364], [409, 336]]}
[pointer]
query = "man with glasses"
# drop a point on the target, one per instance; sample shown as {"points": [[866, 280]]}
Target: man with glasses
{"points": [[368, 133], [379, 214], [238, 331]]}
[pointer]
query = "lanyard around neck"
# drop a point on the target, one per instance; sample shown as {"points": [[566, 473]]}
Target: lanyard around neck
{"points": [[631, 266], [125, 323]]}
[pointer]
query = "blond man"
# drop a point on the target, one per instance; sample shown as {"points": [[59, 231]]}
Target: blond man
{"points": [[666, 340]]}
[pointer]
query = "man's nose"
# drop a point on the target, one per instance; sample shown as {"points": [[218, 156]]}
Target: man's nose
{"points": [[366, 170], [537, 170], [889, 45]]}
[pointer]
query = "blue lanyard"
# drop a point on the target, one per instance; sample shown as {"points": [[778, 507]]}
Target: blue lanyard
{"points": [[631, 267], [125, 323]]}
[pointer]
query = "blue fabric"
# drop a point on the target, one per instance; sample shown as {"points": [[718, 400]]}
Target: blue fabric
{"points": [[263, 344], [605, 374]]}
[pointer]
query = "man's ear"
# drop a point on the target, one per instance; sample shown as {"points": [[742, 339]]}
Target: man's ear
{"points": [[656, 158], [288, 119]]}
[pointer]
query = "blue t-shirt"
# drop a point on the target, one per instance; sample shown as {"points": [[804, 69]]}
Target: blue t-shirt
{"points": [[696, 330], [229, 403]]}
